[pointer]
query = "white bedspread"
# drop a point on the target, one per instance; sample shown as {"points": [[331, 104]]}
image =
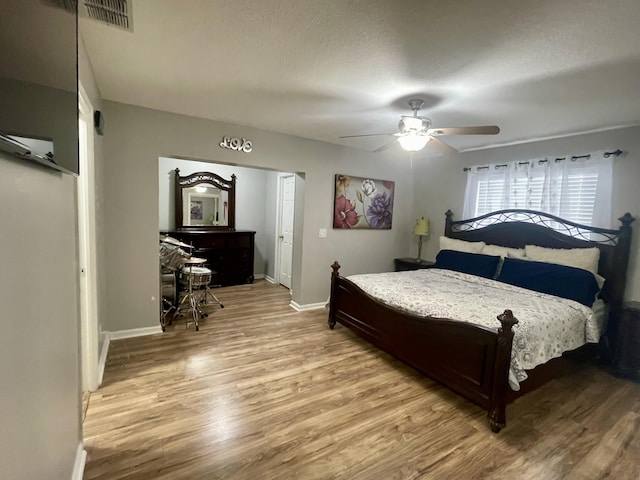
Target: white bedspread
{"points": [[548, 325]]}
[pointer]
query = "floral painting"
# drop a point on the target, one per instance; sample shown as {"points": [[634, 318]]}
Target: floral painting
{"points": [[363, 203]]}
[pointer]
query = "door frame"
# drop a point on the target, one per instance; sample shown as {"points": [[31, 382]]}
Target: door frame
{"points": [[277, 257], [87, 271]]}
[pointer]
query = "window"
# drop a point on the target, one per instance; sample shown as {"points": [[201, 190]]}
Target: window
{"points": [[579, 191]]}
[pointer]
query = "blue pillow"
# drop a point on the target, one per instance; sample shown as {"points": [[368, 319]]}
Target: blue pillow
{"points": [[559, 280], [473, 263]]}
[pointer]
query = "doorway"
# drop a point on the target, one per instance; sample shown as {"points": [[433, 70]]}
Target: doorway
{"points": [[258, 200], [87, 246], [284, 242]]}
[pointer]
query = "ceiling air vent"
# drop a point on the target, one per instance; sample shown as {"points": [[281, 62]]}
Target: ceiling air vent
{"points": [[116, 13], [113, 12]]}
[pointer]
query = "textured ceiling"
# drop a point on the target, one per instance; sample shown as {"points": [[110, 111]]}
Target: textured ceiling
{"points": [[320, 69]]}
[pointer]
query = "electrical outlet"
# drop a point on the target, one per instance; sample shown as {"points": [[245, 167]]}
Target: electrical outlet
{"points": [[322, 233]]}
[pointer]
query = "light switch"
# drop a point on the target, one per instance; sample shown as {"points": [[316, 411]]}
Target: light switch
{"points": [[322, 233]]}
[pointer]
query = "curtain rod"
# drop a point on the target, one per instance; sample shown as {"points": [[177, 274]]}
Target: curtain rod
{"points": [[540, 162]]}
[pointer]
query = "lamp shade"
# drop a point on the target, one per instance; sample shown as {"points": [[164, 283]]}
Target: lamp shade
{"points": [[413, 142], [422, 227]]}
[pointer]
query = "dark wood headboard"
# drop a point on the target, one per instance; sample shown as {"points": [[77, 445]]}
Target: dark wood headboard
{"points": [[517, 228]]}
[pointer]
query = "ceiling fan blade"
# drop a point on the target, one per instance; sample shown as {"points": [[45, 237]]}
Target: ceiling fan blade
{"points": [[386, 145], [438, 144], [480, 130], [368, 135]]}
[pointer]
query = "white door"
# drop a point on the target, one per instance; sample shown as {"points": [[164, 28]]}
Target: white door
{"points": [[285, 235], [86, 247]]}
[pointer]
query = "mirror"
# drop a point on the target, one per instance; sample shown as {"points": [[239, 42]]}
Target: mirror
{"points": [[204, 201]]}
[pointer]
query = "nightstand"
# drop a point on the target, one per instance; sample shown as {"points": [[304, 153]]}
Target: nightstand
{"points": [[403, 264], [626, 360]]}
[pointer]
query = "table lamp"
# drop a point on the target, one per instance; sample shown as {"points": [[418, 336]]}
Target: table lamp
{"points": [[421, 230]]}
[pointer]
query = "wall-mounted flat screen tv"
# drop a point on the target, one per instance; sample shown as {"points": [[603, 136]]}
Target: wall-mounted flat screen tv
{"points": [[39, 83]]}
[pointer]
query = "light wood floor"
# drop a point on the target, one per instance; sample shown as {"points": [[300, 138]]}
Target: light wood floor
{"points": [[264, 392]]}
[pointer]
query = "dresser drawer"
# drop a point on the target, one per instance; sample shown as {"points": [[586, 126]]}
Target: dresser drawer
{"points": [[239, 242], [212, 242], [238, 256], [229, 253]]}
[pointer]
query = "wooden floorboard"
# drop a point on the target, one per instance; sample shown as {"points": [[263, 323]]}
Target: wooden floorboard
{"points": [[265, 392]]}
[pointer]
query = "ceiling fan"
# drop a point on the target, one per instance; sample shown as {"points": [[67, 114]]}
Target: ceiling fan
{"points": [[416, 131]]}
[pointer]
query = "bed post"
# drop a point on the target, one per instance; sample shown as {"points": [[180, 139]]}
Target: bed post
{"points": [[617, 285], [498, 400], [335, 266], [621, 258], [447, 223]]}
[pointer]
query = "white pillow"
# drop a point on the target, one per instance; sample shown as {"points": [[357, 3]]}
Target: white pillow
{"points": [[497, 250], [447, 243], [584, 258]]}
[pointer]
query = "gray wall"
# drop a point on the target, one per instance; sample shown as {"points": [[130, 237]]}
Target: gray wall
{"points": [[40, 399], [40, 404], [136, 137], [440, 183]]}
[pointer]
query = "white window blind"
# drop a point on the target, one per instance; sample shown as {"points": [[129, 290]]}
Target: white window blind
{"points": [[489, 196], [579, 191], [581, 194]]}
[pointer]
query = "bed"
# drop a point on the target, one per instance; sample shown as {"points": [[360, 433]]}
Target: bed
{"points": [[475, 360]]}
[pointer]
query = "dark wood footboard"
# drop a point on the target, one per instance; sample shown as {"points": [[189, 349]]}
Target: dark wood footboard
{"points": [[469, 359]]}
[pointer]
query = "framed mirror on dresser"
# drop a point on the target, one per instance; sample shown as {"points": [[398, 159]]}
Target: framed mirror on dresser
{"points": [[205, 217], [204, 201]]}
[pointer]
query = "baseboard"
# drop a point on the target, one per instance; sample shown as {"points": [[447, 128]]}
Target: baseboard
{"points": [[78, 465], [308, 306], [134, 332], [102, 361], [269, 279], [258, 276]]}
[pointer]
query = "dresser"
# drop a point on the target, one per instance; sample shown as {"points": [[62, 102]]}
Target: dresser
{"points": [[229, 253]]}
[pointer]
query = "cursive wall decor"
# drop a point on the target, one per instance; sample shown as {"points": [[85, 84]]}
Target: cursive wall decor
{"points": [[235, 143]]}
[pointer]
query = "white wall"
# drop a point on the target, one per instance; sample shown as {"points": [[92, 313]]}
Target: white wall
{"points": [[87, 79], [136, 137], [440, 183], [271, 221], [40, 398]]}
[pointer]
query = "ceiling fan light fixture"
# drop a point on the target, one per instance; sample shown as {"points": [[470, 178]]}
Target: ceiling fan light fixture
{"points": [[408, 124], [413, 143], [416, 131]]}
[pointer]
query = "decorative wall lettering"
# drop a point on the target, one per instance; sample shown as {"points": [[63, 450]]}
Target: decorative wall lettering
{"points": [[238, 144]]}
